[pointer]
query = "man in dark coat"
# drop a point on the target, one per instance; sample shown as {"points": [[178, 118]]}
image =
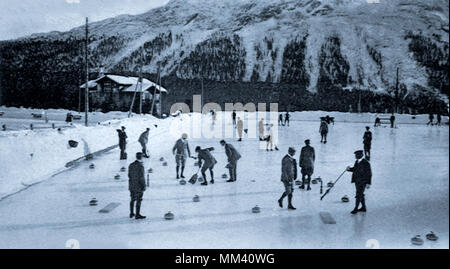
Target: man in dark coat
{"points": [[362, 177], [233, 115], [287, 118], [280, 120], [430, 119], [136, 185], [182, 152], [288, 175], [233, 156], [122, 142], [307, 158], [392, 120], [205, 157], [367, 141]]}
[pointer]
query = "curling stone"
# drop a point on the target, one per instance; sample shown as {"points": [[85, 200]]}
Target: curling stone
{"points": [[117, 177], [161, 159], [298, 182], [416, 240], [93, 202], [432, 237], [314, 181], [164, 164], [224, 176], [182, 182], [256, 209], [169, 216], [92, 166], [200, 179], [196, 199], [123, 169], [345, 199], [150, 170], [330, 184]]}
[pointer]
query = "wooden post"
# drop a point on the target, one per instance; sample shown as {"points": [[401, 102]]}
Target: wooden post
{"points": [[86, 92]]}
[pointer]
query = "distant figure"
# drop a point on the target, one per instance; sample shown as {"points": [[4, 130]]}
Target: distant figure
{"points": [[214, 116], [392, 120], [206, 161], [288, 176], [438, 116], [287, 118], [367, 141], [69, 118], [233, 156], [136, 185], [430, 118], [143, 140], [233, 115], [261, 129], [280, 120], [122, 142], [240, 128], [182, 152], [377, 122], [323, 130], [271, 143], [362, 177], [307, 159]]}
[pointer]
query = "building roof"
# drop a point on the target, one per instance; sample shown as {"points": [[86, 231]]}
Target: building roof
{"points": [[126, 81]]}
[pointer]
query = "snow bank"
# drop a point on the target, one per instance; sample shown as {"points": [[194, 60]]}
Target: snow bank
{"points": [[28, 157]]}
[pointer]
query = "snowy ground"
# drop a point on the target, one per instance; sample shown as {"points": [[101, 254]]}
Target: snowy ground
{"points": [[409, 196]]}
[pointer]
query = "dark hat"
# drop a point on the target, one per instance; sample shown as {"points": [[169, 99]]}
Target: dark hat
{"points": [[139, 155], [359, 152], [123, 127], [197, 148], [307, 141], [291, 150], [222, 142], [367, 127]]}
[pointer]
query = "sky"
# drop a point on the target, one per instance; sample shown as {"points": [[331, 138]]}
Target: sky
{"points": [[24, 17]]}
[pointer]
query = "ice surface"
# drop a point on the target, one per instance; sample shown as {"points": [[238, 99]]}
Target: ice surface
{"points": [[409, 196]]}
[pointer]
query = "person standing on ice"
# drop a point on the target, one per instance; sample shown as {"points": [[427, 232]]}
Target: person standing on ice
{"points": [[122, 142], [307, 158], [182, 152], [233, 156], [240, 128], [323, 130], [205, 157], [362, 177], [143, 140], [392, 120], [233, 116], [271, 139], [214, 116], [367, 141], [286, 118], [136, 185], [430, 118], [288, 176], [280, 120], [261, 129], [438, 117]]}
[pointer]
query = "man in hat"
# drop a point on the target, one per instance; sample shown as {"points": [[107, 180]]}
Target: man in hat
{"points": [[181, 151], [233, 156], [307, 158], [122, 142], [143, 140], [136, 185], [205, 157], [323, 130], [240, 128], [367, 141], [362, 177], [288, 175]]}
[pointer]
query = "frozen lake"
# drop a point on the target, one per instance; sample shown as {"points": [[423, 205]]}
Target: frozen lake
{"points": [[409, 196]]}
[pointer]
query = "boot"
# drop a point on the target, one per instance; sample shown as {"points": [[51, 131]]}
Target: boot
{"points": [[212, 181], [230, 180], [178, 177], [205, 183], [302, 186], [138, 212], [182, 171], [355, 210], [363, 207], [290, 206], [280, 201], [309, 188], [132, 209]]}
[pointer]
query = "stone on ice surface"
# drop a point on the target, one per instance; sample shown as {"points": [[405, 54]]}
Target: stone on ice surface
{"points": [[196, 199], [117, 177], [164, 164], [416, 240], [92, 166], [182, 182], [169, 216], [330, 184], [432, 237], [345, 199], [123, 169], [256, 209], [224, 176], [93, 202]]}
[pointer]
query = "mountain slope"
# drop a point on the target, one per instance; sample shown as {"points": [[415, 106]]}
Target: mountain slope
{"points": [[316, 44]]}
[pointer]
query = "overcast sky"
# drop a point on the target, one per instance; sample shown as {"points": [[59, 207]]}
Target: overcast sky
{"points": [[23, 17]]}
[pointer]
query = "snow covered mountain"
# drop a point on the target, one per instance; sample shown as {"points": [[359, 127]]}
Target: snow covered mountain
{"points": [[315, 44]]}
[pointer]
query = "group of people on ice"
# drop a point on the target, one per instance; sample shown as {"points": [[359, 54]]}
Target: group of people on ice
{"points": [[205, 161]]}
